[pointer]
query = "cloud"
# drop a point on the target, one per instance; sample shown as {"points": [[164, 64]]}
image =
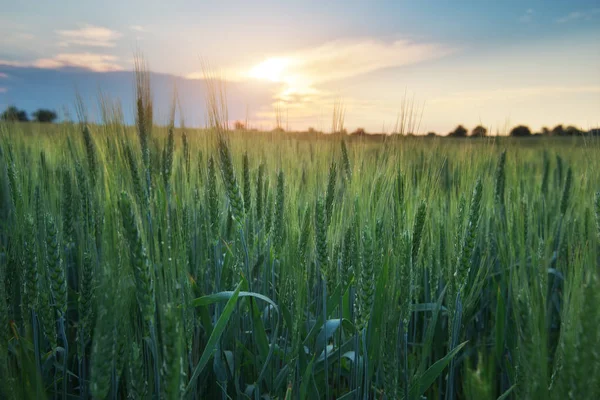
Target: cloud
{"points": [[13, 38], [89, 36], [344, 58], [137, 28], [92, 61], [300, 79], [300, 72], [527, 17], [578, 15], [335, 60], [14, 34], [8, 63], [3, 90], [24, 36], [573, 16], [3, 75]]}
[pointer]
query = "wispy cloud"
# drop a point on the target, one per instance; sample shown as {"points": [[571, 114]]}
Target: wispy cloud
{"points": [[573, 16], [346, 58], [9, 63], [336, 60], [301, 77], [578, 15], [3, 90], [13, 38], [89, 36], [137, 28], [92, 61], [301, 73], [527, 17], [3, 75], [13, 34]]}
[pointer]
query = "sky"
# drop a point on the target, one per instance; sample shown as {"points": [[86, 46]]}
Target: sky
{"points": [[498, 64]]}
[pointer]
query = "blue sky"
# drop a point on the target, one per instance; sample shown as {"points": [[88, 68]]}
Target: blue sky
{"points": [[533, 62]]}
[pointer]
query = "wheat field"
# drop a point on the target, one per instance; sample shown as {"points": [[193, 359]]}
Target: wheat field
{"points": [[154, 262]]}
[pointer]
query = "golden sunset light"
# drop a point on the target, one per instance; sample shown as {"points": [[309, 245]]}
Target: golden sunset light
{"points": [[272, 69]]}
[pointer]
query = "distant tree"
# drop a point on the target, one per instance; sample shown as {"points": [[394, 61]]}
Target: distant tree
{"points": [[545, 131], [13, 114], [479, 131], [311, 130], [431, 135], [520, 131], [558, 130], [359, 132], [46, 116], [459, 132], [239, 126], [572, 131]]}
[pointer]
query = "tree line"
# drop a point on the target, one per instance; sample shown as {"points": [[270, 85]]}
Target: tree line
{"points": [[521, 131], [13, 114]]}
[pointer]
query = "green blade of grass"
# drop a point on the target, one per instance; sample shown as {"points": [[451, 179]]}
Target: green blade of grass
{"points": [[211, 345], [422, 383]]}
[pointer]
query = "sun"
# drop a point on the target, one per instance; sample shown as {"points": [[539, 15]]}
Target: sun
{"points": [[272, 69], [287, 72]]}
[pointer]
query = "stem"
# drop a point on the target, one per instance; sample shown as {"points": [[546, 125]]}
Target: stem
{"points": [[365, 365], [453, 342], [156, 363], [325, 348], [61, 323], [82, 370], [341, 316], [36, 347], [405, 357]]}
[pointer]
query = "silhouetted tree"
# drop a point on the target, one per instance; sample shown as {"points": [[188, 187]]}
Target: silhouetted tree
{"points": [[239, 126], [558, 130], [572, 131], [13, 114], [479, 131], [520, 131], [459, 132], [431, 134], [359, 132], [43, 115], [545, 131]]}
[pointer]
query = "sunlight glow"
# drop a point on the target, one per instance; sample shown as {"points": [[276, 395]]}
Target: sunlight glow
{"points": [[272, 69], [288, 71]]}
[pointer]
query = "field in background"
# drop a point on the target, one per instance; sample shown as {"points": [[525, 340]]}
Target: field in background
{"points": [[212, 264]]}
